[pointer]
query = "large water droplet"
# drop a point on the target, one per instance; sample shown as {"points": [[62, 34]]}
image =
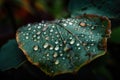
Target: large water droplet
{"points": [[57, 62], [35, 48], [57, 48], [72, 41], [45, 45], [55, 55]]}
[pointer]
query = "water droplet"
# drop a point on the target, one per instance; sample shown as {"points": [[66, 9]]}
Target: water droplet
{"points": [[56, 32], [70, 23], [61, 44], [83, 24], [34, 36], [57, 48], [90, 37], [82, 35], [67, 47], [29, 28], [47, 54], [38, 37], [35, 40], [35, 48], [70, 38], [55, 55], [27, 34], [92, 44], [63, 58], [57, 62], [34, 30], [72, 41], [38, 32], [51, 48], [65, 24], [77, 44], [79, 48], [84, 44], [56, 42], [47, 38], [39, 26], [53, 26], [92, 27], [29, 24], [51, 30], [46, 45], [61, 54], [44, 32], [58, 36], [26, 37]]}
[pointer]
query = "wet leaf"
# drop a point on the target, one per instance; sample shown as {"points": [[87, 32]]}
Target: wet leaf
{"points": [[64, 45]]}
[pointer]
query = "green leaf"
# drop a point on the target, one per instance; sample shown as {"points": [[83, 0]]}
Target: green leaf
{"points": [[10, 56], [115, 36], [99, 7], [64, 45]]}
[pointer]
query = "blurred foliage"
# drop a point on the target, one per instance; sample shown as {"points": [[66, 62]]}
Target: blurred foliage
{"points": [[115, 37], [10, 56], [15, 13], [99, 7]]}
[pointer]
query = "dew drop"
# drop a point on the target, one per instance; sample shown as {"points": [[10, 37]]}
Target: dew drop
{"points": [[47, 54], [47, 38], [83, 24], [56, 32], [38, 32], [82, 35], [79, 48], [57, 62], [58, 36], [38, 37], [70, 38], [26, 37], [57, 48], [44, 32], [56, 42], [46, 45], [61, 44], [72, 41], [39, 26], [53, 26], [51, 48], [34, 36], [27, 34], [35, 48], [55, 55], [61, 54], [29, 29], [34, 30], [92, 27], [65, 24], [70, 23], [77, 44], [51, 30], [92, 44], [29, 24]]}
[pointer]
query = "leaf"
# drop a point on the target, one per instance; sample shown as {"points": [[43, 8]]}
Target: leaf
{"points": [[99, 7], [10, 56], [64, 45], [115, 36]]}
